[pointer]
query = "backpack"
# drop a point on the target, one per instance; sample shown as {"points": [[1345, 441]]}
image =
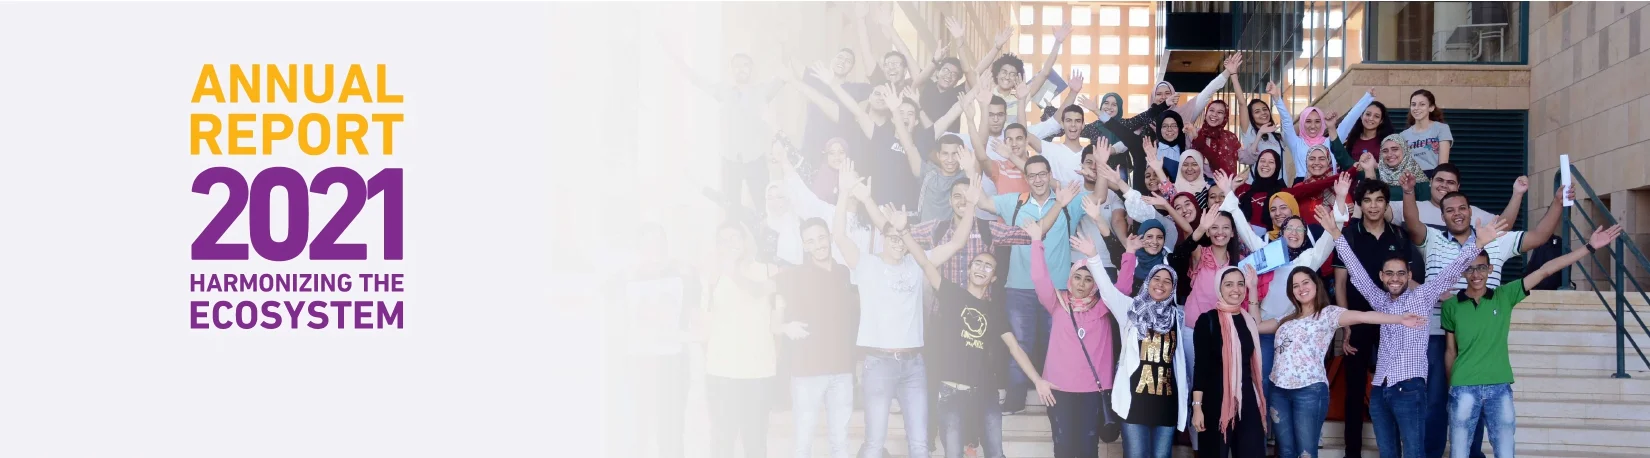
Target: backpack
{"points": [[1539, 256]]}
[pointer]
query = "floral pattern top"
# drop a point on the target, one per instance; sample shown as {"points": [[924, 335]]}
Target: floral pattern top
{"points": [[1301, 344]]}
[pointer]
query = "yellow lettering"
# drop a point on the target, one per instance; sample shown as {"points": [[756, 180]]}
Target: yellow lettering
{"points": [[207, 85], [1163, 379], [282, 82], [238, 83], [210, 135], [354, 84], [236, 133], [270, 134], [345, 133], [388, 120], [384, 95], [1146, 384], [1148, 349], [309, 86], [304, 144]]}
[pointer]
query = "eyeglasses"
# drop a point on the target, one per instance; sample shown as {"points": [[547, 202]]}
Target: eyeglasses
{"points": [[1037, 175], [1480, 269], [1296, 230], [982, 265], [1395, 273]]}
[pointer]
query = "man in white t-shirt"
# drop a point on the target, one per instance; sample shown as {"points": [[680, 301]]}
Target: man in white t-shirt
{"points": [[1458, 219]]}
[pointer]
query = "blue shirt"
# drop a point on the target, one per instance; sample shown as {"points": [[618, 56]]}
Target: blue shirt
{"points": [[1056, 242]]}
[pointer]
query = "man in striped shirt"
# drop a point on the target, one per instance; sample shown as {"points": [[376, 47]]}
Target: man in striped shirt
{"points": [[1398, 404], [1441, 247]]}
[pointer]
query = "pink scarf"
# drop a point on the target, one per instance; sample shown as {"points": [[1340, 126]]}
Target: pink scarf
{"points": [[1231, 404], [1311, 138]]}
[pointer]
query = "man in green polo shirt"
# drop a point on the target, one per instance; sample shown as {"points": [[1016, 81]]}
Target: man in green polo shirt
{"points": [[1477, 321]]}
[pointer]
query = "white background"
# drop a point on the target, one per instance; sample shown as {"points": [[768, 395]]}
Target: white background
{"points": [[96, 354]]}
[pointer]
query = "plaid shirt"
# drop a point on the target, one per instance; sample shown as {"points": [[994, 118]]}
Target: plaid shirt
{"points": [[955, 269], [1403, 352]]}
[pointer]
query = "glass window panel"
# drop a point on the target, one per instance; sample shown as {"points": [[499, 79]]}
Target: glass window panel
{"points": [[1336, 19], [1334, 75], [1028, 43], [1081, 45], [1139, 74], [1306, 48], [1111, 45], [1048, 44], [1028, 15], [1111, 16], [1140, 46], [1081, 15], [1053, 15], [1137, 103], [1140, 17], [1108, 74], [1334, 49]]}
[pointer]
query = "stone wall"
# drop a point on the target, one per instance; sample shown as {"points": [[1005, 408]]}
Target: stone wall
{"points": [[1490, 87]]}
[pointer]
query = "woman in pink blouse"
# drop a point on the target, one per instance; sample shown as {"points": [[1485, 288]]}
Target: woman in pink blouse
{"points": [[1301, 399]]}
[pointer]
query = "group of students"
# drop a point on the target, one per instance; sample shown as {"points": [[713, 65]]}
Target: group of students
{"points": [[1106, 263]]}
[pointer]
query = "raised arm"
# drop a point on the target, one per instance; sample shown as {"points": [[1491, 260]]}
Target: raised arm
{"points": [[1485, 233], [1229, 68], [1413, 227], [930, 272], [1521, 186], [1117, 301], [1355, 272], [1351, 317], [825, 103], [839, 226], [803, 200], [1244, 231], [1039, 272], [1357, 112], [913, 156], [1243, 118], [1601, 239], [866, 126], [1549, 222], [1444, 145], [1036, 84], [991, 55]]}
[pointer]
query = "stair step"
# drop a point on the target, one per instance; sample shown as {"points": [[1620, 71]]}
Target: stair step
{"points": [[1578, 299], [1598, 317], [1535, 357]]}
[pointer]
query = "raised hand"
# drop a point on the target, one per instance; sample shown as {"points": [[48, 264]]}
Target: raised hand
{"points": [[862, 189], [1565, 193], [1232, 63], [896, 216], [1091, 204], [847, 178], [890, 97], [818, 70], [1087, 103], [955, 27], [1366, 162], [1371, 92], [1490, 230], [1224, 181], [1076, 84], [1133, 243], [1272, 89], [1082, 244], [1002, 37], [1208, 220], [1603, 236], [1407, 183], [1066, 193], [1268, 129], [1521, 185], [996, 144], [1326, 218], [976, 187], [1114, 177], [1061, 33], [1149, 147], [1250, 278], [1033, 229], [910, 93], [1158, 202], [795, 330], [1343, 185]]}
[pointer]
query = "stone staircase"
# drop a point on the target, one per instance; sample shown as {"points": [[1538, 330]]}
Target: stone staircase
{"points": [[1563, 353]]}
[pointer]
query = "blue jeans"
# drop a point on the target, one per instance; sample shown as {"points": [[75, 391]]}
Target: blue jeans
{"points": [[836, 391], [1141, 441], [1438, 410], [1030, 323], [1268, 350], [1399, 414], [965, 415], [1299, 416], [902, 378], [1475, 405]]}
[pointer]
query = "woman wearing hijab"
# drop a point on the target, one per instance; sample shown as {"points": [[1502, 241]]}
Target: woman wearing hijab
{"points": [[1218, 145], [1189, 177], [1315, 188], [1267, 179], [1201, 256], [1078, 368], [1152, 365], [1227, 402], [1152, 253], [1314, 130], [1397, 161], [1171, 142], [1165, 92]]}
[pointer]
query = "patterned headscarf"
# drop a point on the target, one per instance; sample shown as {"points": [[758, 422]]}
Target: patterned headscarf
{"points": [[1392, 175], [1150, 315]]}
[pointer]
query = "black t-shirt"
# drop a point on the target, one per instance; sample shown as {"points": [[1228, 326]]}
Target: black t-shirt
{"points": [[891, 178], [1206, 336], [965, 339], [819, 127], [936, 101], [1154, 401], [1372, 253]]}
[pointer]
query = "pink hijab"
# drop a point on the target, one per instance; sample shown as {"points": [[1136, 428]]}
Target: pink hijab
{"points": [[1311, 138]]}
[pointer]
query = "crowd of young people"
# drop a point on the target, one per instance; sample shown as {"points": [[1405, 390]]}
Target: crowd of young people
{"points": [[928, 242]]}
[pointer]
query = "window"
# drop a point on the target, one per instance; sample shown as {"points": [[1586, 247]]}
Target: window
{"points": [[1111, 16], [1138, 74], [1048, 44], [1053, 15], [1057, 72], [1334, 49], [1297, 76], [1111, 45], [1108, 74], [1336, 18], [1140, 17], [1137, 103], [1307, 48], [1140, 45], [1334, 75], [1084, 70], [1025, 72], [1028, 43], [1470, 32], [1028, 14], [1311, 19], [1081, 44], [1081, 15]]}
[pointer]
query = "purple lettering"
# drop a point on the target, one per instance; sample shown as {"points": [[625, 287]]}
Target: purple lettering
{"points": [[391, 316], [195, 314], [220, 324], [274, 318]]}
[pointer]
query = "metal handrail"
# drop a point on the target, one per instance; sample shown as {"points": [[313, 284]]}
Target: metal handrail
{"points": [[1623, 307]]}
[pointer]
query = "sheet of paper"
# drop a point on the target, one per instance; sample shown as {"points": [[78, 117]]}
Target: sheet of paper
{"points": [[1268, 258], [1564, 177]]}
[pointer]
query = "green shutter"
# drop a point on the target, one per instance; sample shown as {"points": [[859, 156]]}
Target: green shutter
{"points": [[1491, 148]]}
